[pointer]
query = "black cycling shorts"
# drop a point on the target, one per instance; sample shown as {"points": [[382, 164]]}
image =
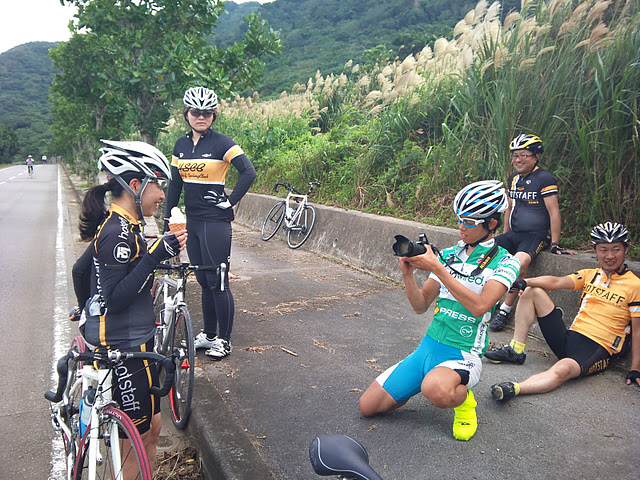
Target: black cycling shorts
{"points": [[131, 382], [591, 356], [528, 242]]}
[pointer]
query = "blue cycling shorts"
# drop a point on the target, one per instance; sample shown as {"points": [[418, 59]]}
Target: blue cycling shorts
{"points": [[404, 379]]}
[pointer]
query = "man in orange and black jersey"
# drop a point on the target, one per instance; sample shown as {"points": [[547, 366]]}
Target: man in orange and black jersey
{"points": [[609, 311], [532, 220]]}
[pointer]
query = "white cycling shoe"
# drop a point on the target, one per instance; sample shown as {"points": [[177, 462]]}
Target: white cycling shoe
{"points": [[220, 349], [201, 341]]}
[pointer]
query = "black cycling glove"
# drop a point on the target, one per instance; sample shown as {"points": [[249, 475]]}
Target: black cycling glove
{"points": [[518, 285], [556, 249], [633, 375], [220, 200], [165, 247]]}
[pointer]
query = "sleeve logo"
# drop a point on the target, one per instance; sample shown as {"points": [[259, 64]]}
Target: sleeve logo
{"points": [[122, 252]]}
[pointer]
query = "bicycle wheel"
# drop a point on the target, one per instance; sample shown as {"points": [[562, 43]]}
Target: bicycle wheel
{"points": [[299, 232], [119, 444], [181, 394], [273, 221]]}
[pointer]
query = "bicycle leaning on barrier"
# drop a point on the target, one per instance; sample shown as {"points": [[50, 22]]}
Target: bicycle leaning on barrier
{"points": [[174, 332], [298, 221], [100, 440]]}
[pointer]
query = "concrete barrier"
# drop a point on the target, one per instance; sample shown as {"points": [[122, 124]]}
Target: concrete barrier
{"points": [[364, 241]]}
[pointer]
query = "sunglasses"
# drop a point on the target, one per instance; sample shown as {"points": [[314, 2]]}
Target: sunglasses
{"points": [[197, 113], [522, 156], [470, 222], [160, 182]]}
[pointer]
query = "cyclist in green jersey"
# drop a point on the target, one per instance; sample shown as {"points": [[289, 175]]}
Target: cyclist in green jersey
{"points": [[466, 281]]}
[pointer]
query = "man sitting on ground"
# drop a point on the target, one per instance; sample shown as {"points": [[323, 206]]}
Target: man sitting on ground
{"points": [[609, 306]]}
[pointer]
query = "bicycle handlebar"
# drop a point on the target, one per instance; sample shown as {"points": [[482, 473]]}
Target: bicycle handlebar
{"points": [[112, 357], [185, 266], [292, 189]]}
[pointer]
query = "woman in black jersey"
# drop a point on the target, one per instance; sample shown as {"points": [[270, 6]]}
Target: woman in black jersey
{"points": [[112, 279], [200, 163]]}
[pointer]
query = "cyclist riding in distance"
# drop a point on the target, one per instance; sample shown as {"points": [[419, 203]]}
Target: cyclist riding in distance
{"points": [[29, 162], [200, 163], [609, 308], [113, 277], [466, 281], [532, 221]]}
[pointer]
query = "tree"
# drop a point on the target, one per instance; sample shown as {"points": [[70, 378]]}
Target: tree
{"points": [[151, 50], [8, 143]]}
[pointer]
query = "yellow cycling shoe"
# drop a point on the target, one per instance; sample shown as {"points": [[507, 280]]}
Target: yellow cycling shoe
{"points": [[465, 422]]}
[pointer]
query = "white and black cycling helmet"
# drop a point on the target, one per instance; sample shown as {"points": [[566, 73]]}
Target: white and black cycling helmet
{"points": [[200, 98], [609, 232], [133, 160], [119, 158], [527, 142], [482, 199]]}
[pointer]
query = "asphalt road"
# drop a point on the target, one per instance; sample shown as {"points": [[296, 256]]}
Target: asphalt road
{"points": [[34, 293], [311, 334]]}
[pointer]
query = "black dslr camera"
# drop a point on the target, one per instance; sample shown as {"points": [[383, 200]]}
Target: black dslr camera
{"points": [[406, 248]]}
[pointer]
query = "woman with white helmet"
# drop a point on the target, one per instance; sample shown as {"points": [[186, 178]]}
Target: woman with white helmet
{"points": [[200, 163], [112, 279], [466, 281]]}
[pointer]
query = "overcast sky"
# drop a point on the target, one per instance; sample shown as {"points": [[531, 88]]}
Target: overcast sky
{"points": [[26, 21]]}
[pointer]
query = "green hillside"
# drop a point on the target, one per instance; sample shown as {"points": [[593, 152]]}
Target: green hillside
{"points": [[25, 77], [324, 34]]}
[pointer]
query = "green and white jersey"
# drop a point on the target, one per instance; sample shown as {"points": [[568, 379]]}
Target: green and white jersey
{"points": [[453, 324]]}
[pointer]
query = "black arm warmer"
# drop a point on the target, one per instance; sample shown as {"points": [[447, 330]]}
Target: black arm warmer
{"points": [[81, 274], [245, 179]]}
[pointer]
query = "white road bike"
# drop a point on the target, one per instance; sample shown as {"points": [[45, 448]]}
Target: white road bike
{"points": [[298, 220]]}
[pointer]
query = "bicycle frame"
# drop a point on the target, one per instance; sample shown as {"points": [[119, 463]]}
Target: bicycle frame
{"points": [[171, 304], [291, 214]]}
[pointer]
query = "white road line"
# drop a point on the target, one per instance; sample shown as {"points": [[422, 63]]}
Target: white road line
{"points": [[61, 327]]}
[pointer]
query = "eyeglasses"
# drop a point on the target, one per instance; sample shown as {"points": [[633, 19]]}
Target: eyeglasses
{"points": [[522, 156], [205, 113], [160, 182], [470, 222]]}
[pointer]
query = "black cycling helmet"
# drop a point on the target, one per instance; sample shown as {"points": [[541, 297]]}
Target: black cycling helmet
{"points": [[609, 232], [527, 142]]}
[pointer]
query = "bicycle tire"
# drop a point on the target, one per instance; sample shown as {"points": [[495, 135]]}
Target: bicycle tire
{"points": [[299, 233], [181, 394], [273, 221], [114, 423], [71, 414]]}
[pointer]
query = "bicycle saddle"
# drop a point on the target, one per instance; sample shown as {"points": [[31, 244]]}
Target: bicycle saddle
{"points": [[340, 455]]}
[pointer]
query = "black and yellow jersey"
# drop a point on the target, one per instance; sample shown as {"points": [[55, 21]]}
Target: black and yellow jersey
{"points": [[201, 169], [607, 306], [529, 212], [123, 270]]}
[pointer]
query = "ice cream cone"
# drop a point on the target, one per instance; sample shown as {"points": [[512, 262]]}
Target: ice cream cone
{"points": [[174, 227]]}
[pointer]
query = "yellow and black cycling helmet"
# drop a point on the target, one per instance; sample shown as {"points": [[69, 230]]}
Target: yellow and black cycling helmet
{"points": [[527, 142]]}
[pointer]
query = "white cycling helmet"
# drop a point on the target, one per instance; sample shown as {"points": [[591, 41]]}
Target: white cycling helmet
{"points": [[137, 158], [481, 200], [201, 98], [119, 158], [609, 232]]}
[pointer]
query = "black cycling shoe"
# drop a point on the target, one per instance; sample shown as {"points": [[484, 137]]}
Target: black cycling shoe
{"points": [[503, 391], [499, 320], [505, 354]]}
